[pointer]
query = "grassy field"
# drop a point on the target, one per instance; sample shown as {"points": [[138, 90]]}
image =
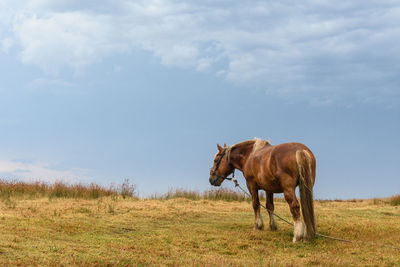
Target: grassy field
{"points": [[113, 230]]}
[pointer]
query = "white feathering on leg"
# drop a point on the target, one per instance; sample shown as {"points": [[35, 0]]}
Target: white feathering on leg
{"points": [[298, 231]]}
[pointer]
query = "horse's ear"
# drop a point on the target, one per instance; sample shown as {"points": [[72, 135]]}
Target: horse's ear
{"points": [[219, 147], [224, 145]]}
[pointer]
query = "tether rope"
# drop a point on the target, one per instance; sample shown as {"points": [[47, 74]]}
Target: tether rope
{"points": [[286, 221]]}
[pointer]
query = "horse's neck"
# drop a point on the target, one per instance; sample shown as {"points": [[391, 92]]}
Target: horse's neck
{"points": [[240, 153]]}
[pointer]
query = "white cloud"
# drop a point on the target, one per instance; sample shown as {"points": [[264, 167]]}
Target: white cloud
{"points": [[65, 39], [39, 171], [285, 46]]}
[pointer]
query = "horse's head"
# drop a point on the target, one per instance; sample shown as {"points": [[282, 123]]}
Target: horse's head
{"points": [[221, 167]]}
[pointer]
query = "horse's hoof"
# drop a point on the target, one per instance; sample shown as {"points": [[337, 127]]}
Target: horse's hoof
{"points": [[258, 227], [297, 239], [273, 227]]}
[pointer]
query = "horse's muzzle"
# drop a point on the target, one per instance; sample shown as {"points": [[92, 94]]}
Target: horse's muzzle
{"points": [[215, 181]]}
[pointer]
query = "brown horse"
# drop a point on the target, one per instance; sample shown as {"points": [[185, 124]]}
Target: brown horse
{"points": [[275, 169]]}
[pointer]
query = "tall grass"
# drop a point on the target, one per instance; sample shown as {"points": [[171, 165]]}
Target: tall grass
{"points": [[12, 190], [20, 189], [63, 190], [211, 194]]}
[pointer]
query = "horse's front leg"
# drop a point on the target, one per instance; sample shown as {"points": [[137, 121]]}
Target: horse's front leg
{"points": [[270, 207], [258, 223]]}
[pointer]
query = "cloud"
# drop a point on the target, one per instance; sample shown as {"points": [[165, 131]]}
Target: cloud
{"points": [[66, 39], [39, 171], [345, 49]]}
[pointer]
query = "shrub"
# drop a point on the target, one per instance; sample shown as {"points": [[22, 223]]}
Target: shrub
{"points": [[395, 200], [127, 189]]}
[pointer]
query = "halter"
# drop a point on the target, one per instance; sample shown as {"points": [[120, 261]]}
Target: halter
{"points": [[228, 149]]}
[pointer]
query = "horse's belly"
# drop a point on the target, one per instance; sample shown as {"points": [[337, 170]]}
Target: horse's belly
{"points": [[270, 184]]}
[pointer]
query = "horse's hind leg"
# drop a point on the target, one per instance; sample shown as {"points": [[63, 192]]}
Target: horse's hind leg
{"points": [[258, 222], [294, 205], [270, 207]]}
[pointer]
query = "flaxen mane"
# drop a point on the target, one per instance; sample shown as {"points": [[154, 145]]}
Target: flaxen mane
{"points": [[259, 143]]}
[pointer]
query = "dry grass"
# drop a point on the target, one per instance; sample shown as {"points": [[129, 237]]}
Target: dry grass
{"points": [[38, 189], [179, 231]]}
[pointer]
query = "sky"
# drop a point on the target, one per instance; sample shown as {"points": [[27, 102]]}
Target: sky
{"points": [[102, 91]]}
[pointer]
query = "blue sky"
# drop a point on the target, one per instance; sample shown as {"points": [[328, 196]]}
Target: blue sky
{"points": [[107, 90]]}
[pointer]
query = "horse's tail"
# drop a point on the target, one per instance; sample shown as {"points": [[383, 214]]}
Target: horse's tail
{"points": [[306, 184]]}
